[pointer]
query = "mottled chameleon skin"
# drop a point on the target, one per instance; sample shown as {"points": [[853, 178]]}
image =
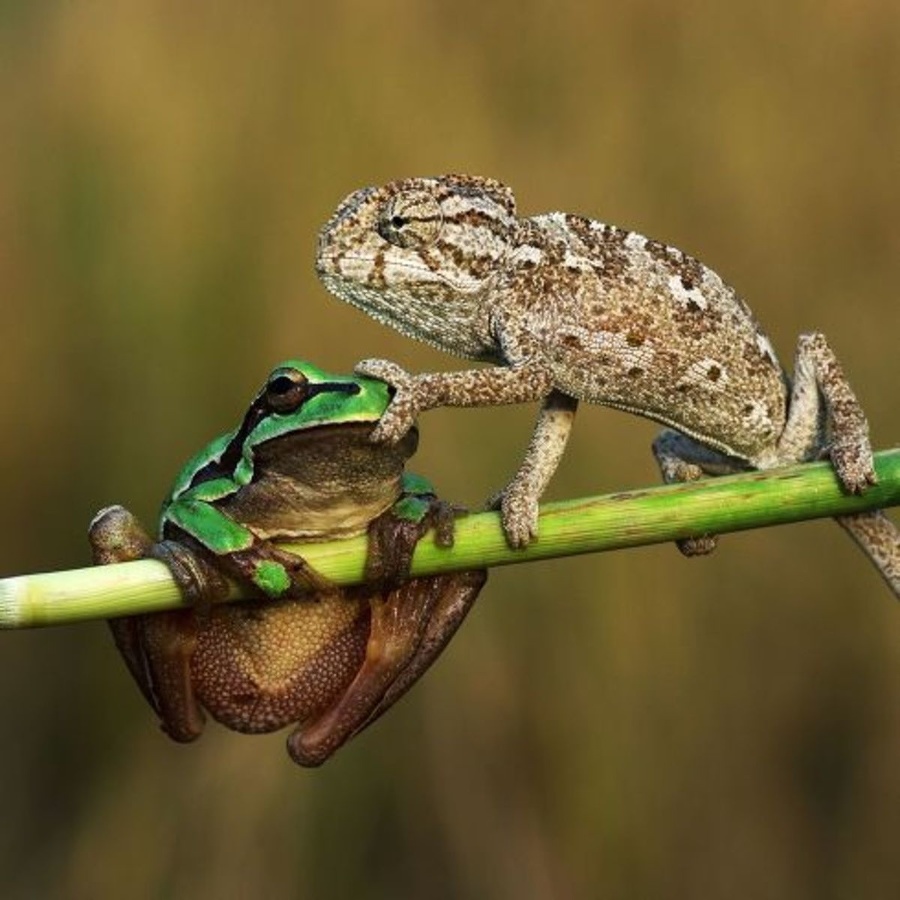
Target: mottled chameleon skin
{"points": [[616, 318], [571, 309]]}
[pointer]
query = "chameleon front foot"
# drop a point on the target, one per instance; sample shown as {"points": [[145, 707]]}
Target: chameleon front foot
{"points": [[518, 515], [401, 414]]}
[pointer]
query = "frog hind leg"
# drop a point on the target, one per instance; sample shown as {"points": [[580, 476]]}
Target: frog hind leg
{"points": [[160, 648], [157, 648], [457, 593], [410, 625]]}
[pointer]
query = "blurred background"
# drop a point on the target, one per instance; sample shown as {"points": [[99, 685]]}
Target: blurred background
{"points": [[625, 725]]}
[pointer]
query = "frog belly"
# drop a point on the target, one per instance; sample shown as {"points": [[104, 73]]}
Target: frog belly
{"points": [[260, 666]]}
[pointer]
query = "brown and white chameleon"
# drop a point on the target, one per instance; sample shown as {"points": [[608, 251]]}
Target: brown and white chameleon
{"points": [[570, 309]]}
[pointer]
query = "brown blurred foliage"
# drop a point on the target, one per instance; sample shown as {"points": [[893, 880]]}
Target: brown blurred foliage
{"points": [[626, 725]]}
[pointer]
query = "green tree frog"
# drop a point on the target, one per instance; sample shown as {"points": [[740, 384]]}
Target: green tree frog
{"points": [[300, 466]]}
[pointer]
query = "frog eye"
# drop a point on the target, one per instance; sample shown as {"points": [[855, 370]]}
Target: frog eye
{"points": [[286, 390], [411, 219]]}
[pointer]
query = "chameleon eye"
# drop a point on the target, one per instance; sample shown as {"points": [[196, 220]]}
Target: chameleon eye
{"points": [[411, 219], [286, 390]]}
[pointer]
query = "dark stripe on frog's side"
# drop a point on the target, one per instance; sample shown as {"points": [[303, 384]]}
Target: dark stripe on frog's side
{"points": [[224, 466]]}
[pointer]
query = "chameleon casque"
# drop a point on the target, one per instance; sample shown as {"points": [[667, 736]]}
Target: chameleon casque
{"points": [[569, 309]]}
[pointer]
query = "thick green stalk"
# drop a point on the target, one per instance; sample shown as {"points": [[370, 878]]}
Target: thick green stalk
{"points": [[626, 519]]}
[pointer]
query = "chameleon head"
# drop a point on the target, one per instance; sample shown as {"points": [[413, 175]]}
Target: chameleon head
{"points": [[419, 254]]}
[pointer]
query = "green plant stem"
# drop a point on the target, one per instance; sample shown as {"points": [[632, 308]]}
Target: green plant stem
{"points": [[611, 522]]}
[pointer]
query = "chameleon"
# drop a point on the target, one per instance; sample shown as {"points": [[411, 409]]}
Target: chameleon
{"points": [[566, 308]]}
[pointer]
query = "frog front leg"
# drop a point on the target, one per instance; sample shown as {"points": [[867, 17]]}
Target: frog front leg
{"points": [[394, 535], [207, 540], [410, 626]]}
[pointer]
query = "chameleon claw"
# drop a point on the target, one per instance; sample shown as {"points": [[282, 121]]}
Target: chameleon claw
{"points": [[853, 467], [518, 516]]}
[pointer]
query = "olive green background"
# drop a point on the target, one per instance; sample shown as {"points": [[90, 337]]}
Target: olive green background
{"points": [[625, 725]]}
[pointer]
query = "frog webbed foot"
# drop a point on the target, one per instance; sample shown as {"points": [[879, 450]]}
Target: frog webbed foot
{"points": [[264, 570], [279, 574], [276, 574], [394, 536], [116, 536]]}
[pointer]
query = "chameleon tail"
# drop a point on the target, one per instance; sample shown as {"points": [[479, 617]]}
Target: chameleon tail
{"points": [[879, 539]]}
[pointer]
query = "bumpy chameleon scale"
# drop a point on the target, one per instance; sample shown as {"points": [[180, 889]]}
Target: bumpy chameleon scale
{"points": [[568, 309]]}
